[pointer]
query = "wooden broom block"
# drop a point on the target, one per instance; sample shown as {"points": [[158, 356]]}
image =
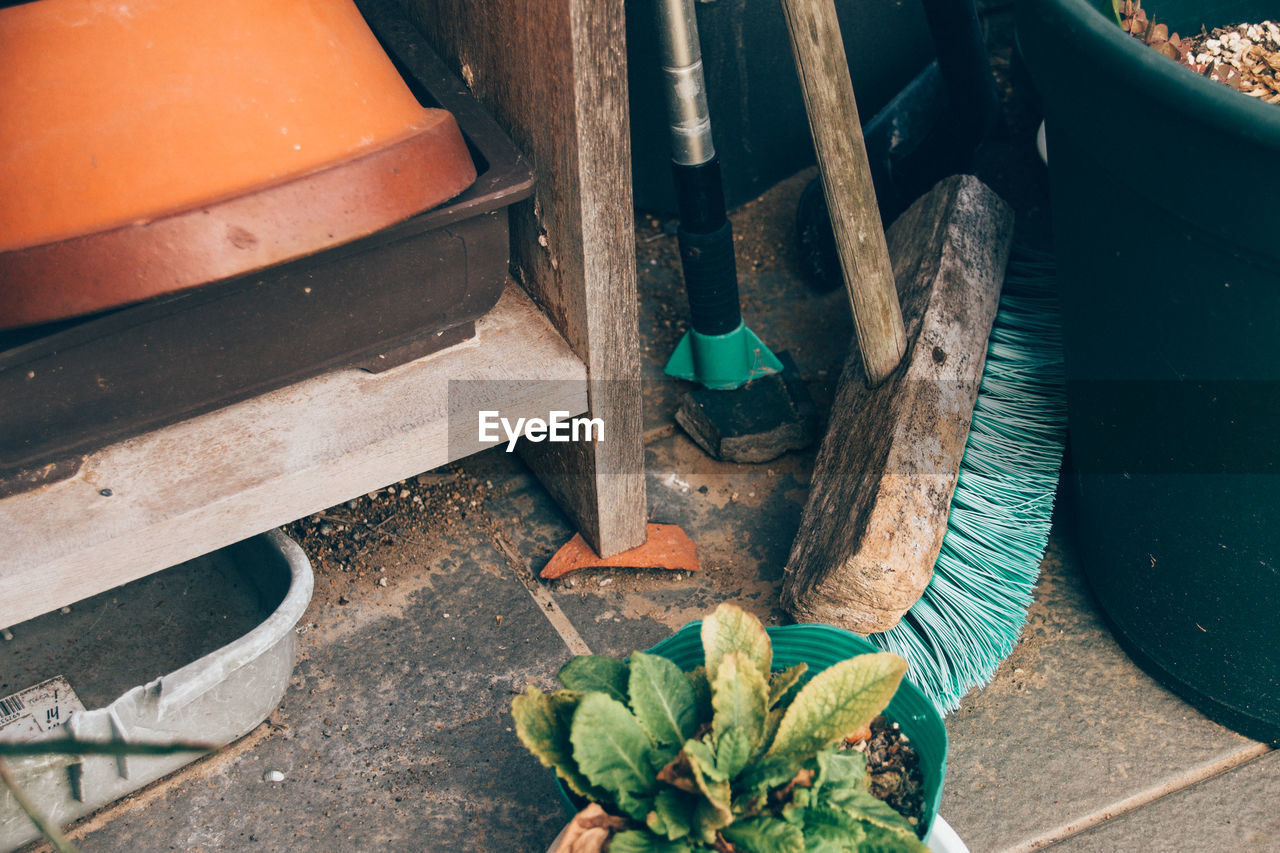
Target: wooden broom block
{"points": [[882, 483]]}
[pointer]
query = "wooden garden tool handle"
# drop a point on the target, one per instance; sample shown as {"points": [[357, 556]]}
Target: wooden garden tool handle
{"points": [[846, 180]]}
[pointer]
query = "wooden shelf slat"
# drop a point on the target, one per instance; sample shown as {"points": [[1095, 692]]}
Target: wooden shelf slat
{"points": [[201, 484]]}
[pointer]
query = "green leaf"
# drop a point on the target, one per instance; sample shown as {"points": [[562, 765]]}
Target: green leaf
{"points": [[663, 701], [771, 722], [880, 840], [738, 696], [801, 798], [701, 692], [780, 683], [831, 831], [862, 805], [767, 773], [672, 814], [587, 673], [828, 839], [765, 835], [733, 752], [612, 751], [840, 788], [713, 810], [745, 803], [708, 819], [838, 771], [640, 841], [542, 724], [730, 629], [838, 701], [705, 756]]}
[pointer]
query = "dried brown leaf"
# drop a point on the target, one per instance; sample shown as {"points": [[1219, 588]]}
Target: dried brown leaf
{"points": [[589, 831], [723, 846], [803, 779], [679, 774], [1133, 18]]}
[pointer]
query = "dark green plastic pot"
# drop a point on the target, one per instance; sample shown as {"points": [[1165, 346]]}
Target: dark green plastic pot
{"points": [[1167, 232], [820, 646]]}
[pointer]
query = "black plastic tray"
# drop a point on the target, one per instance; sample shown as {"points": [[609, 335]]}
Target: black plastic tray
{"points": [[73, 387]]}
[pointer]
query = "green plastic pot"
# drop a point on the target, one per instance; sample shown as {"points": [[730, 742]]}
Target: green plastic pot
{"points": [[1163, 187], [820, 646]]}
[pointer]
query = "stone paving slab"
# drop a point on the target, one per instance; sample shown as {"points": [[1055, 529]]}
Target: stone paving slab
{"points": [[742, 518], [1236, 811], [394, 734], [1069, 727]]}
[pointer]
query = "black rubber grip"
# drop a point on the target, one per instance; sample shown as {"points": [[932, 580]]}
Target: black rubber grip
{"points": [[711, 279], [700, 196]]}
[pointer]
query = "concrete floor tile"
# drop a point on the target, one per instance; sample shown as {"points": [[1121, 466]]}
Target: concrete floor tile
{"points": [[1232, 812], [395, 733], [1069, 726], [742, 518]]}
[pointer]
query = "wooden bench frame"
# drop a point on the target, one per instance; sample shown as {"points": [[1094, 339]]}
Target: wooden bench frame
{"points": [[553, 72]]}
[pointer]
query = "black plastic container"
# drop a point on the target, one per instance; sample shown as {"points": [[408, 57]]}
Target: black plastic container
{"points": [[1170, 276], [408, 290]]}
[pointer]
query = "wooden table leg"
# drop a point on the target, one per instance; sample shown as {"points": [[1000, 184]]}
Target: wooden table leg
{"points": [[554, 73]]}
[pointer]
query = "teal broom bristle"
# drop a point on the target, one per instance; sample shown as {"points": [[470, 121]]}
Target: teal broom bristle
{"points": [[973, 610]]}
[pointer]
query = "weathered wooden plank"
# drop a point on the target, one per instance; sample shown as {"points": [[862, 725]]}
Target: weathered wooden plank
{"points": [[554, 73], [201, 484], [882, 483], [818, 49]]}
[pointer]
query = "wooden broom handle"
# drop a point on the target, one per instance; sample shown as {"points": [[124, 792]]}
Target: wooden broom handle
{"points": [[846, 180]]}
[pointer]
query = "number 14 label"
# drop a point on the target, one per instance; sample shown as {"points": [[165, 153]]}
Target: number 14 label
{"points": [[29, 713]]}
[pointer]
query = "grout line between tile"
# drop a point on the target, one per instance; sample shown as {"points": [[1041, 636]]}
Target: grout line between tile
{"points": [[1140, 799], [546, 603]]}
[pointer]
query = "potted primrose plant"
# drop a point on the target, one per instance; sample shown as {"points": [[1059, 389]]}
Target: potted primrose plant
{"points": [[728, 737]]}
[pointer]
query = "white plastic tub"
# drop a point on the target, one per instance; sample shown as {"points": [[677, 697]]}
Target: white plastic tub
{"points": [[217, 697]]}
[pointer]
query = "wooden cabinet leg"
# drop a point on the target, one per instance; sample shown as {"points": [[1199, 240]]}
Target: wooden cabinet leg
{"points": [[554, 72]]}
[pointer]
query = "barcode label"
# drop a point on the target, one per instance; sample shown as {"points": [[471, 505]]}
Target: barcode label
{"points": [[11, 706], [32, 712]]}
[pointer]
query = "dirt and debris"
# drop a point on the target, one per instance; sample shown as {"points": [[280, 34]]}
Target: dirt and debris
{"points": [[345, 542], [893, 768]]}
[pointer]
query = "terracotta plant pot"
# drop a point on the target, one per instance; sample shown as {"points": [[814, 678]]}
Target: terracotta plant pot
{"points": [[157, 145]]}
